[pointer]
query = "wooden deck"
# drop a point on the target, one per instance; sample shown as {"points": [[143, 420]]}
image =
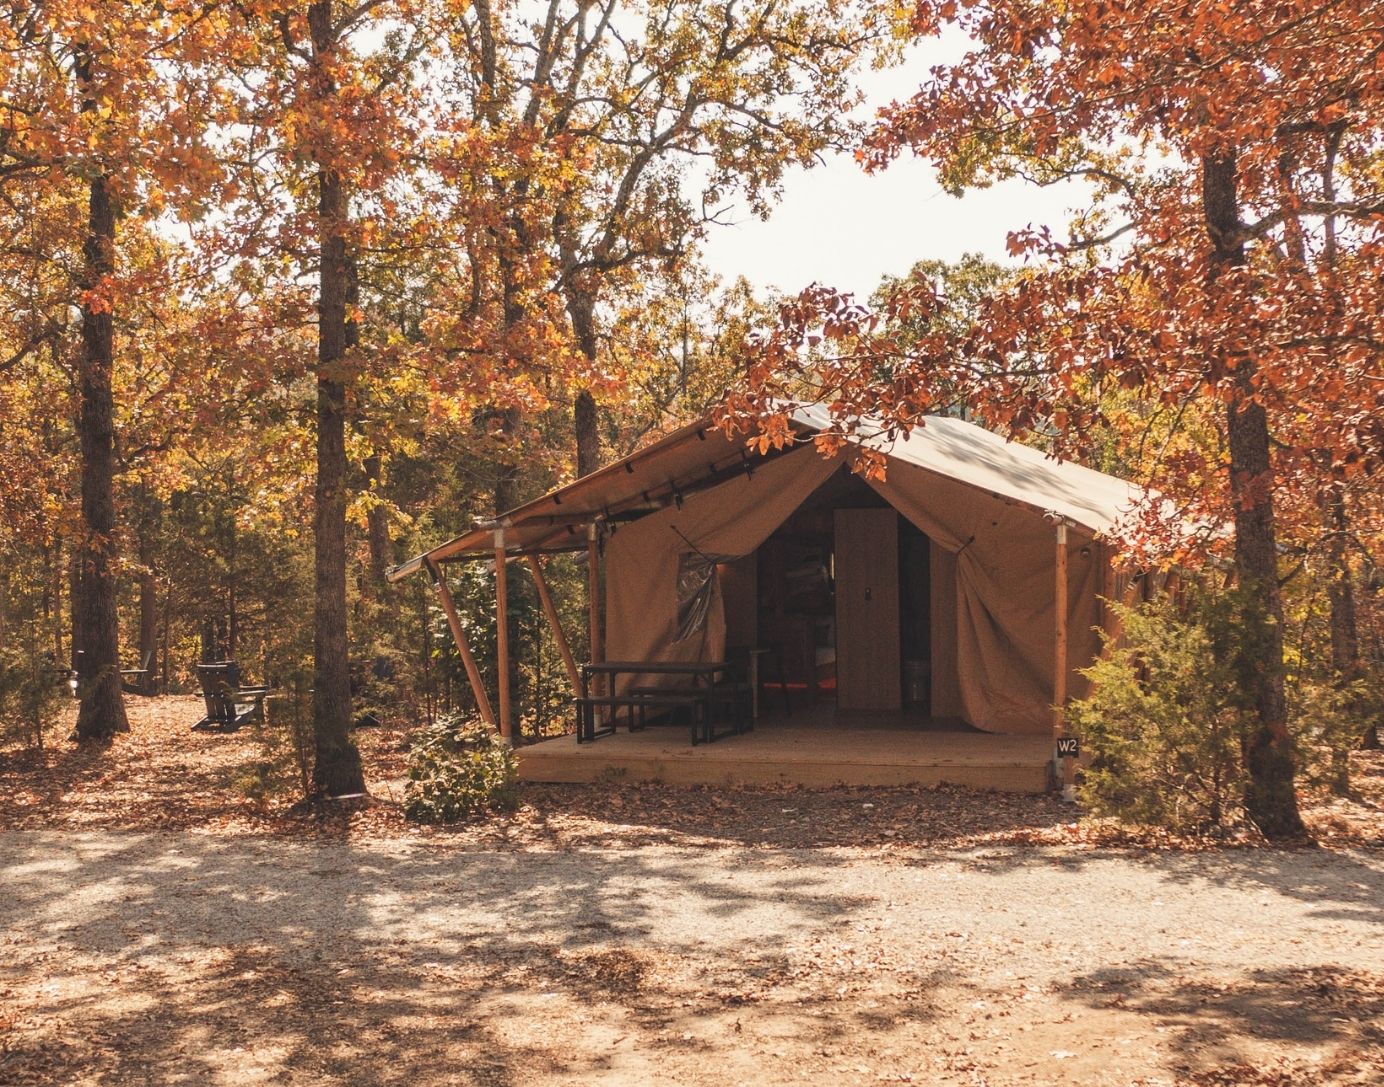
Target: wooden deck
{"points": [[806, 749]]}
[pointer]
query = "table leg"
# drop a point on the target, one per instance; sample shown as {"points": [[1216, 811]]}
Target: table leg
{"points": [[584, 723]]}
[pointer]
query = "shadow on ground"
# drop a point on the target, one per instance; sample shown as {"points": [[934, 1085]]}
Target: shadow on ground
{"points": [[160, 959]]}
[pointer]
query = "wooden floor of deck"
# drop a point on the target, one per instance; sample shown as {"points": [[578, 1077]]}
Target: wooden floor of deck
{"points": [[811, 747]]}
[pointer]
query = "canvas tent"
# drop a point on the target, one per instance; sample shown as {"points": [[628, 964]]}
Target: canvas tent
{"points": [[1011, 536]]}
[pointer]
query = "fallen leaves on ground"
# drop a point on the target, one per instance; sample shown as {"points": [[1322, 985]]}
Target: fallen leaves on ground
{"points": [[161, 775]]}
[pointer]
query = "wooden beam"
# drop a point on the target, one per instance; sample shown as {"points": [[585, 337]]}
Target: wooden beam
{"points": [[649, 500], [593, 587], [502, 636], [473, 674], [545, 598], [1059, 698], [517, 553]]}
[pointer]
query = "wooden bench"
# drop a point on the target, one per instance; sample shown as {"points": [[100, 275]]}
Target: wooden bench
{"points": [[733, 696], [228, 704], [638, 706]]}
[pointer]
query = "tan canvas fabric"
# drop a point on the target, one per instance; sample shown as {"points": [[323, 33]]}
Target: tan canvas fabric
{"points": [[946, 683], [993, 655], [979, 498], [1005, 568], [726, 521], [956, 449]]}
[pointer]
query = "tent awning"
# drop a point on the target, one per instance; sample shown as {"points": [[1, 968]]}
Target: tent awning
{"points": [[700, 455]]}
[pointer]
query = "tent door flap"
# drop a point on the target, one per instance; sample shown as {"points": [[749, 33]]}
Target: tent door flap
{"points": [[868, 672]]}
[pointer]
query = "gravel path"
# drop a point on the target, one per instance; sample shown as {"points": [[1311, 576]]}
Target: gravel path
{"points": [[184, 957]]}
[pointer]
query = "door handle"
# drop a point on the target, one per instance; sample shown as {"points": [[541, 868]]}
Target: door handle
{"points": [[869, 595]]}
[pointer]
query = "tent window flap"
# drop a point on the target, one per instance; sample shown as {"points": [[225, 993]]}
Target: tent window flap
{"points": [[696, 583]]}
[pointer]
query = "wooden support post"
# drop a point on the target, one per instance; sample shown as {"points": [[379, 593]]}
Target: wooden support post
{"points": [[593, 584], [502, 636], [546, 599], [1059, 685], [473, 673]]}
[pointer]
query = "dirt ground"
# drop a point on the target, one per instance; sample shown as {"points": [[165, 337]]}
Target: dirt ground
{"points": [[166, 918]]}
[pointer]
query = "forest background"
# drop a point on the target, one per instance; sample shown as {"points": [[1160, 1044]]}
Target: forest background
{"points": [[293, 291]]}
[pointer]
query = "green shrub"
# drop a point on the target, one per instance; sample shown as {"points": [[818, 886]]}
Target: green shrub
{"points": [[1163, 721], [458, 768], [32, 693], [258, 780], [1328, 721]]}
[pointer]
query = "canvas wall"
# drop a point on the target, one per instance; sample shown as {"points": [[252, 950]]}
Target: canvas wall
{"points": [[993, 593]]}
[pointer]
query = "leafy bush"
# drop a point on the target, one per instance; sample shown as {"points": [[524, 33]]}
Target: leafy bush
{"points": [[1328, 722], [1163, 720], [458, 768], [32, 693]]}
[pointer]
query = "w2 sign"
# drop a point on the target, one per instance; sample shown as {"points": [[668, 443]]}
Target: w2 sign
{"points": [[1068, 747]]}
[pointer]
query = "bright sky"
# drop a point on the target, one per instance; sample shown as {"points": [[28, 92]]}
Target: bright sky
{"points": [[839, 226]]}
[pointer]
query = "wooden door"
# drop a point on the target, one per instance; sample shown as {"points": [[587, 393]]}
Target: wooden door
{"points": [[867, 610]]}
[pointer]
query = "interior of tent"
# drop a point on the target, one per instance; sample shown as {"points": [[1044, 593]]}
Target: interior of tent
{"points": [[914, 597]]}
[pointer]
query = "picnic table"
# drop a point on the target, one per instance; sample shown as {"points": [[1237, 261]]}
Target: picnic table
{"points": [[710, 689]]}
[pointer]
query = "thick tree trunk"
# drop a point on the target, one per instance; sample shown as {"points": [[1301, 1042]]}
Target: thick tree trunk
{"points": [[585, 420], [336, 765], [505, 492], [336, 768], [586, 424], [102, 710], [1271, 799]]}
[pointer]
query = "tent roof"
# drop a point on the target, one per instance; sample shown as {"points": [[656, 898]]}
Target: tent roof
{"points": [[700, 455], [971, 454]]}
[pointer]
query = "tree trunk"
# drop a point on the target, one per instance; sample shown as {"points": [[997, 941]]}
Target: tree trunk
{"points": [[52, 596], [1270, 799], [505, 496], [163, 638], [336, 766], [232, 574], [148, 595], [102, 711], [1345, 638], [585, 421], [74, 592]]}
